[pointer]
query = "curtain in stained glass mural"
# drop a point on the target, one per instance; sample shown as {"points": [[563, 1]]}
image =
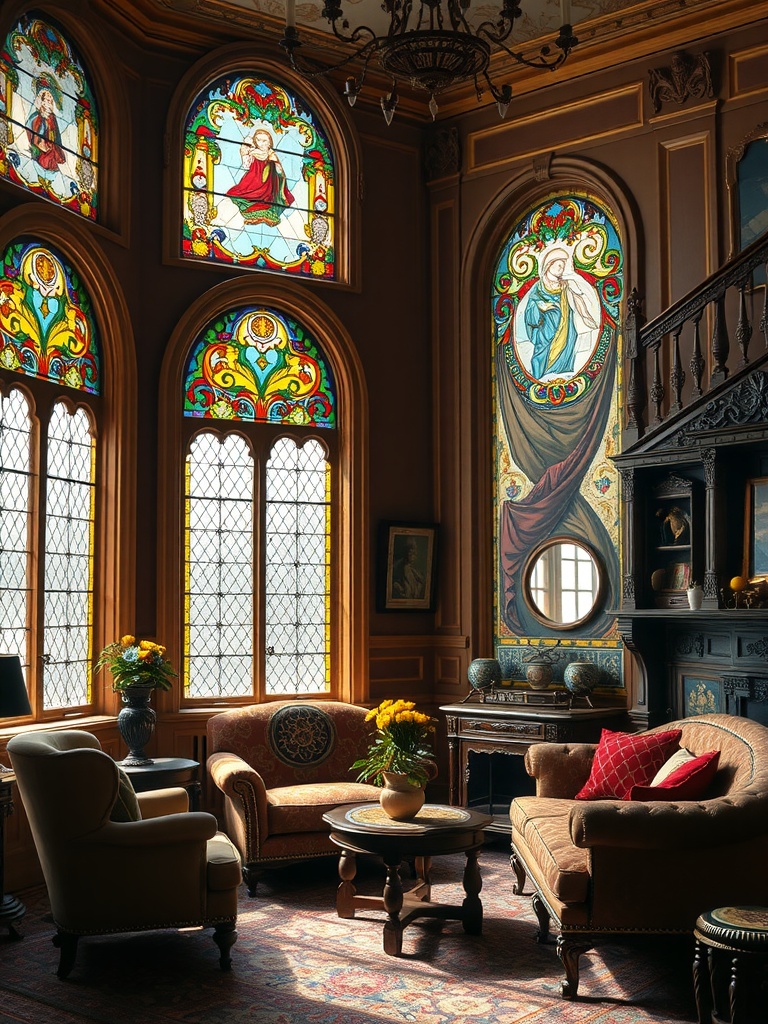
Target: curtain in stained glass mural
{"points": [[556, 299], [258, 186], [49, 125]]}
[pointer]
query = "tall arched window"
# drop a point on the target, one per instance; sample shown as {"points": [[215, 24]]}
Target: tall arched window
{"points": [[259, 180], [50, 382], [258, 497], [49, 126]]}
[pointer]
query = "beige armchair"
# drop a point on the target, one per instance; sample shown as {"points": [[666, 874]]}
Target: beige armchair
{"points": [[281, 766], [169, 869]]}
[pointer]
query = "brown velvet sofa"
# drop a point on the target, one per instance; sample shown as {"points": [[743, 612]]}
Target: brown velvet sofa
{"points": [[281, 766], [607, 867]]}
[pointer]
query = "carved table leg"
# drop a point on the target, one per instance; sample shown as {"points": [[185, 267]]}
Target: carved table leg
{"points": [[518, 886], [345, 894], [715, 974], [393, 904], [701, 985], [733, 991], [472, 918], [542, 916], [569, 950], [423, 873]]}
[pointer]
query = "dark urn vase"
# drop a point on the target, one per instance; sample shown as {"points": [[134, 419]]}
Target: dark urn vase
{"points": [[136, 723]]}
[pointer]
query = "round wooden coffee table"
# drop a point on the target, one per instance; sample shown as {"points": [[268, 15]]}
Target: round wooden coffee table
{"points": [[436, 830]]}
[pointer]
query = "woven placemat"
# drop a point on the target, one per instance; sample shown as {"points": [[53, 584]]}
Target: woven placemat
{"points": [[429, 815]]}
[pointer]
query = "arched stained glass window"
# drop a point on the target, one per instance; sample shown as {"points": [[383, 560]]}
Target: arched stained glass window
{"points": [[258, 180], [258, 500], [46, 326], [49, 123], [261, 365]]}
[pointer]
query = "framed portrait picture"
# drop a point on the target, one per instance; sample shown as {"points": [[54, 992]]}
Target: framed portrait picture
{"points": [[407, 553], [756, 529]]}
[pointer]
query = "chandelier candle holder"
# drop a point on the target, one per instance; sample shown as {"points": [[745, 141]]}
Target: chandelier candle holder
{"points": [[429, 44]]}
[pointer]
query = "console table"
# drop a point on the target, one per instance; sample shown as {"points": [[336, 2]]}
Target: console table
{"points": [[478, 727]]}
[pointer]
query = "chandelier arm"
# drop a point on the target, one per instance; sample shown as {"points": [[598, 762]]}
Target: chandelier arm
{"points": [[310, 68], [544, 59], [355, 36]]}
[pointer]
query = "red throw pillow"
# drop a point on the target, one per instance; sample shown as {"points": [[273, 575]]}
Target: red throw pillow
{"points": [[623, 760], [688, 782]]}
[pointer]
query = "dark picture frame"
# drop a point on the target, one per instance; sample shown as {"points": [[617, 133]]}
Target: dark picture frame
{"points": [[756, 529], [407, 566], [746, 175]]}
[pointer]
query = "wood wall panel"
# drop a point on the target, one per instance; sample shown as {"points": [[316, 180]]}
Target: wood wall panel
{"points": [[593, 117], [685, 211], [748, 71]]}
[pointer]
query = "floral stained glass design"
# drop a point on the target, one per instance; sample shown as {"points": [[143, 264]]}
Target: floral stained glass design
{"points": [[259, 180], [257, 364], [49, 124], [47, 329]]}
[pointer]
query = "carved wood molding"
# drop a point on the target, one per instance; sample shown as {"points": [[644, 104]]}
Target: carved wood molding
{"points": [[687, 77]]}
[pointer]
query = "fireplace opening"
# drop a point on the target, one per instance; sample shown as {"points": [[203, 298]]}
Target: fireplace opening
{"points": [[493, 781]]}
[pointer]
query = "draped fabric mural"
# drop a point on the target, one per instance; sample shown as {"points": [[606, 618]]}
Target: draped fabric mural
{"points": [[556, 299]]}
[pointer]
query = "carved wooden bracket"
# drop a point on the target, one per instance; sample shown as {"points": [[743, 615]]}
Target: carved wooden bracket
{"points": [[687, 77]]}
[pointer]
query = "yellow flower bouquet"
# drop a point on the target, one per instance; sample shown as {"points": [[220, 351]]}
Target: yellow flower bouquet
{"points": [[401, 744], [135, 662]]}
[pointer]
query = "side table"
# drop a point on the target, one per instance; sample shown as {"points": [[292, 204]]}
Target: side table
{"points": [[11, 909], [436, 830], [164, 772], [730, 966]]}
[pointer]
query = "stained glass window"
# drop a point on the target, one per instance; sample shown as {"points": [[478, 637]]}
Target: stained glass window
{"points": [[218, 626], [298, 569], [15, 536], [261, 365], [258, 180], [46, 325], [68, 576], [49, 124]]}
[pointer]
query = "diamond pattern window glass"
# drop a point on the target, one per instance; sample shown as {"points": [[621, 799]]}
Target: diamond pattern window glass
{"points": [[49, 125], [298, 570], [15, 539], [68, 573], [218, 621]]}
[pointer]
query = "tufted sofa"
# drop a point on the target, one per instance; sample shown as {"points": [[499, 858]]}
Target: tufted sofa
{"points": [[281, 766], [605, 867]]}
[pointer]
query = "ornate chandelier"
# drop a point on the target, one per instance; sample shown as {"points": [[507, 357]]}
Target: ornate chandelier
{"points": [[421, 49]]}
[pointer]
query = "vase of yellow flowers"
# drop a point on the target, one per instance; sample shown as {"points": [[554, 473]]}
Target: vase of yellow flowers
{"points": [[138, 667], [400, 759]]}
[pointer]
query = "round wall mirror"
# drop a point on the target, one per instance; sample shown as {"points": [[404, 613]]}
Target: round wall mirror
{"points": [[563, 583]]}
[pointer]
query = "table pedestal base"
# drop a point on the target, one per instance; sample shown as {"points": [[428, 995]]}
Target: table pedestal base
{"points": [[11, 912], [405, 907]]}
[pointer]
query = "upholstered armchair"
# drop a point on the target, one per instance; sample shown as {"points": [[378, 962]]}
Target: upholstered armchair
{"points": [[281, 766], [158, 866]]}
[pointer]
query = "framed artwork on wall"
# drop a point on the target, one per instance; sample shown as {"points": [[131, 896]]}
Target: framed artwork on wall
{"points": [[756, 529], [747, 181], [406, 576]]}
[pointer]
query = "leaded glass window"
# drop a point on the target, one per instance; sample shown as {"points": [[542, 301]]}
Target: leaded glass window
{"points": [[46, 325], [218, 645], [49, 124], [258, 186], [298, 511], [15, 526], [258, 509], [68, 574]]}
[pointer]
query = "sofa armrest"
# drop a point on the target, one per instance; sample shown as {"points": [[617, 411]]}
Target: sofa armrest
{"points": [[560, 769], [158, 802], [658, 825], [247, 793], [170, 829]]}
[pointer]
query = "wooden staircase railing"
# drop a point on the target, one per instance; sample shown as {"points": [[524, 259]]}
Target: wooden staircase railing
{"points": [[662, 337]]}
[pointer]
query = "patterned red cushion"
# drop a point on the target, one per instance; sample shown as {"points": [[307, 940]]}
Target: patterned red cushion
{"points": [[688, 782], [623, 760]]}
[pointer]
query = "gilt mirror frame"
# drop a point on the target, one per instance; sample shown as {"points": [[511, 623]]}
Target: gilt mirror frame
{"points": [[600, 586]]}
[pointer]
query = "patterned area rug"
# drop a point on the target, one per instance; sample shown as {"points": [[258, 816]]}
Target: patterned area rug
{"points": [[296, 962]]}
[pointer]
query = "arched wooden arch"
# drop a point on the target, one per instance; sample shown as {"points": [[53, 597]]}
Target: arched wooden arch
{"points": [[335, 122], [116, 563], [351, 597]]}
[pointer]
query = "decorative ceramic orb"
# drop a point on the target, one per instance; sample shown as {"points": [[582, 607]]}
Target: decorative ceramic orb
{"points": [[484, 672], [581, 677], [539, 673]]}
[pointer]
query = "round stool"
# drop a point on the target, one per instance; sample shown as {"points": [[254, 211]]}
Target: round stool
{"points": [[729, 965]]}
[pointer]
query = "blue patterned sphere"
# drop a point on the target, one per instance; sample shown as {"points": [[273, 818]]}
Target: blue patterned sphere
{"points": [[484, 672], [581, 677]]}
